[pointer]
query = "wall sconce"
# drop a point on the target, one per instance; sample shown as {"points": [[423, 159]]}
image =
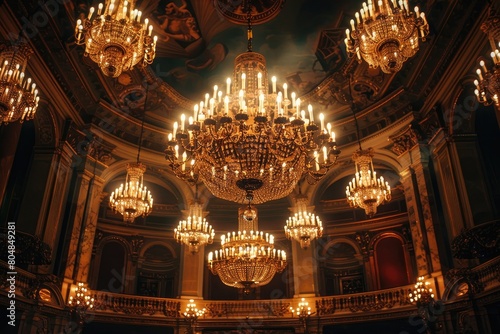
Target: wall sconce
{"points": [[80, 303], [423, 297], [191, 316], [303, 312]]}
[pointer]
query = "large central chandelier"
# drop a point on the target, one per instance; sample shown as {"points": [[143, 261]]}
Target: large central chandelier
{"points": [[18, 94], [303, 226], [115, 38], [247, 258], [133, 199], [247, 141], [366, 191], [194, 231], [488, 86], [386, 33]]}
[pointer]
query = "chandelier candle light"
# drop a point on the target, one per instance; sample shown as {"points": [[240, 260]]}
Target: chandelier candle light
{"points": [[18, 94], [247, 258], [195, 230], [115, 37], [386, 33], [422, 295], [251, 140], [303, 226]]}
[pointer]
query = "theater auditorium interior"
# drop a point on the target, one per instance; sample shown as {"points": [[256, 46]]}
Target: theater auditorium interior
{"points": [[250, 166]]}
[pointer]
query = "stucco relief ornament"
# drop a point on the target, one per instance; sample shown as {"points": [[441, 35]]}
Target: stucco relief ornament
{"points": [[262, 11]]}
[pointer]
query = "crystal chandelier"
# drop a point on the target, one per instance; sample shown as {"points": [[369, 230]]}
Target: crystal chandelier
{"points": [[195, 230], [386, 34], [488, 86], [245, 141], [18, 94], [115, 38], [366, 191], [247, 258], [133, 199], [303, 226]]}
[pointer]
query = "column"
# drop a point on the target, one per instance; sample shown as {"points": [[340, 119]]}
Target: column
{"points": [[130, 282], [415, 228], [305, 270], [50, 224], [82, 221], [9, 138], [191, 273]]}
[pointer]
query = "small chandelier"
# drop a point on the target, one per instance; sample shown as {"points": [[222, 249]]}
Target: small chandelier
{"points": [[133, 199], [247, 140], [191, 315], [386, 34], [366, 191], [422, 295], [247, 258], [303, 226], [18, 94], [195, 230], [303, 312], [488, 86], [80, 303], [115, 38], [81, 299]]}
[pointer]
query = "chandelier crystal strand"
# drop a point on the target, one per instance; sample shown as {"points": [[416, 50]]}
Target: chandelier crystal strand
{"points": [[303, 226], [247, 258], [248, 135], [194, 231], [386, 33], [488, 83], [366, 191], [18, 94], [115, 37]]}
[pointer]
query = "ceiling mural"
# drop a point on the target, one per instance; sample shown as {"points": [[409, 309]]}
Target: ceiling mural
{"points": [[197, 44]]}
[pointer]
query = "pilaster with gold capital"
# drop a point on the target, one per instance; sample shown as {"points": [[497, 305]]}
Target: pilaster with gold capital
{"points": [[305, 270]]}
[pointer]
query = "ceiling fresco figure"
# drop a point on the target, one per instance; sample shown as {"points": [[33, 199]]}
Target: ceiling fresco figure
{"points": [[186, 50], [197, 43], [178, 23]]}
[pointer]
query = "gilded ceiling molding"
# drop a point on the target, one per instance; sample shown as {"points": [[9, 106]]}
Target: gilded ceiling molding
{"points": [[236, 11], [405, 140], [86, 143], [108, 119]]}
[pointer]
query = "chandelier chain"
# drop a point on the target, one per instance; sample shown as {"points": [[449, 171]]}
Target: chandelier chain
{"points": [[142, 122], [354, 108], [249, 23]]}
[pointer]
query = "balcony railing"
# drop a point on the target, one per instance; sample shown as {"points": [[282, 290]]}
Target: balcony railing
{"points": [[365, 302], [484, 276]]}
